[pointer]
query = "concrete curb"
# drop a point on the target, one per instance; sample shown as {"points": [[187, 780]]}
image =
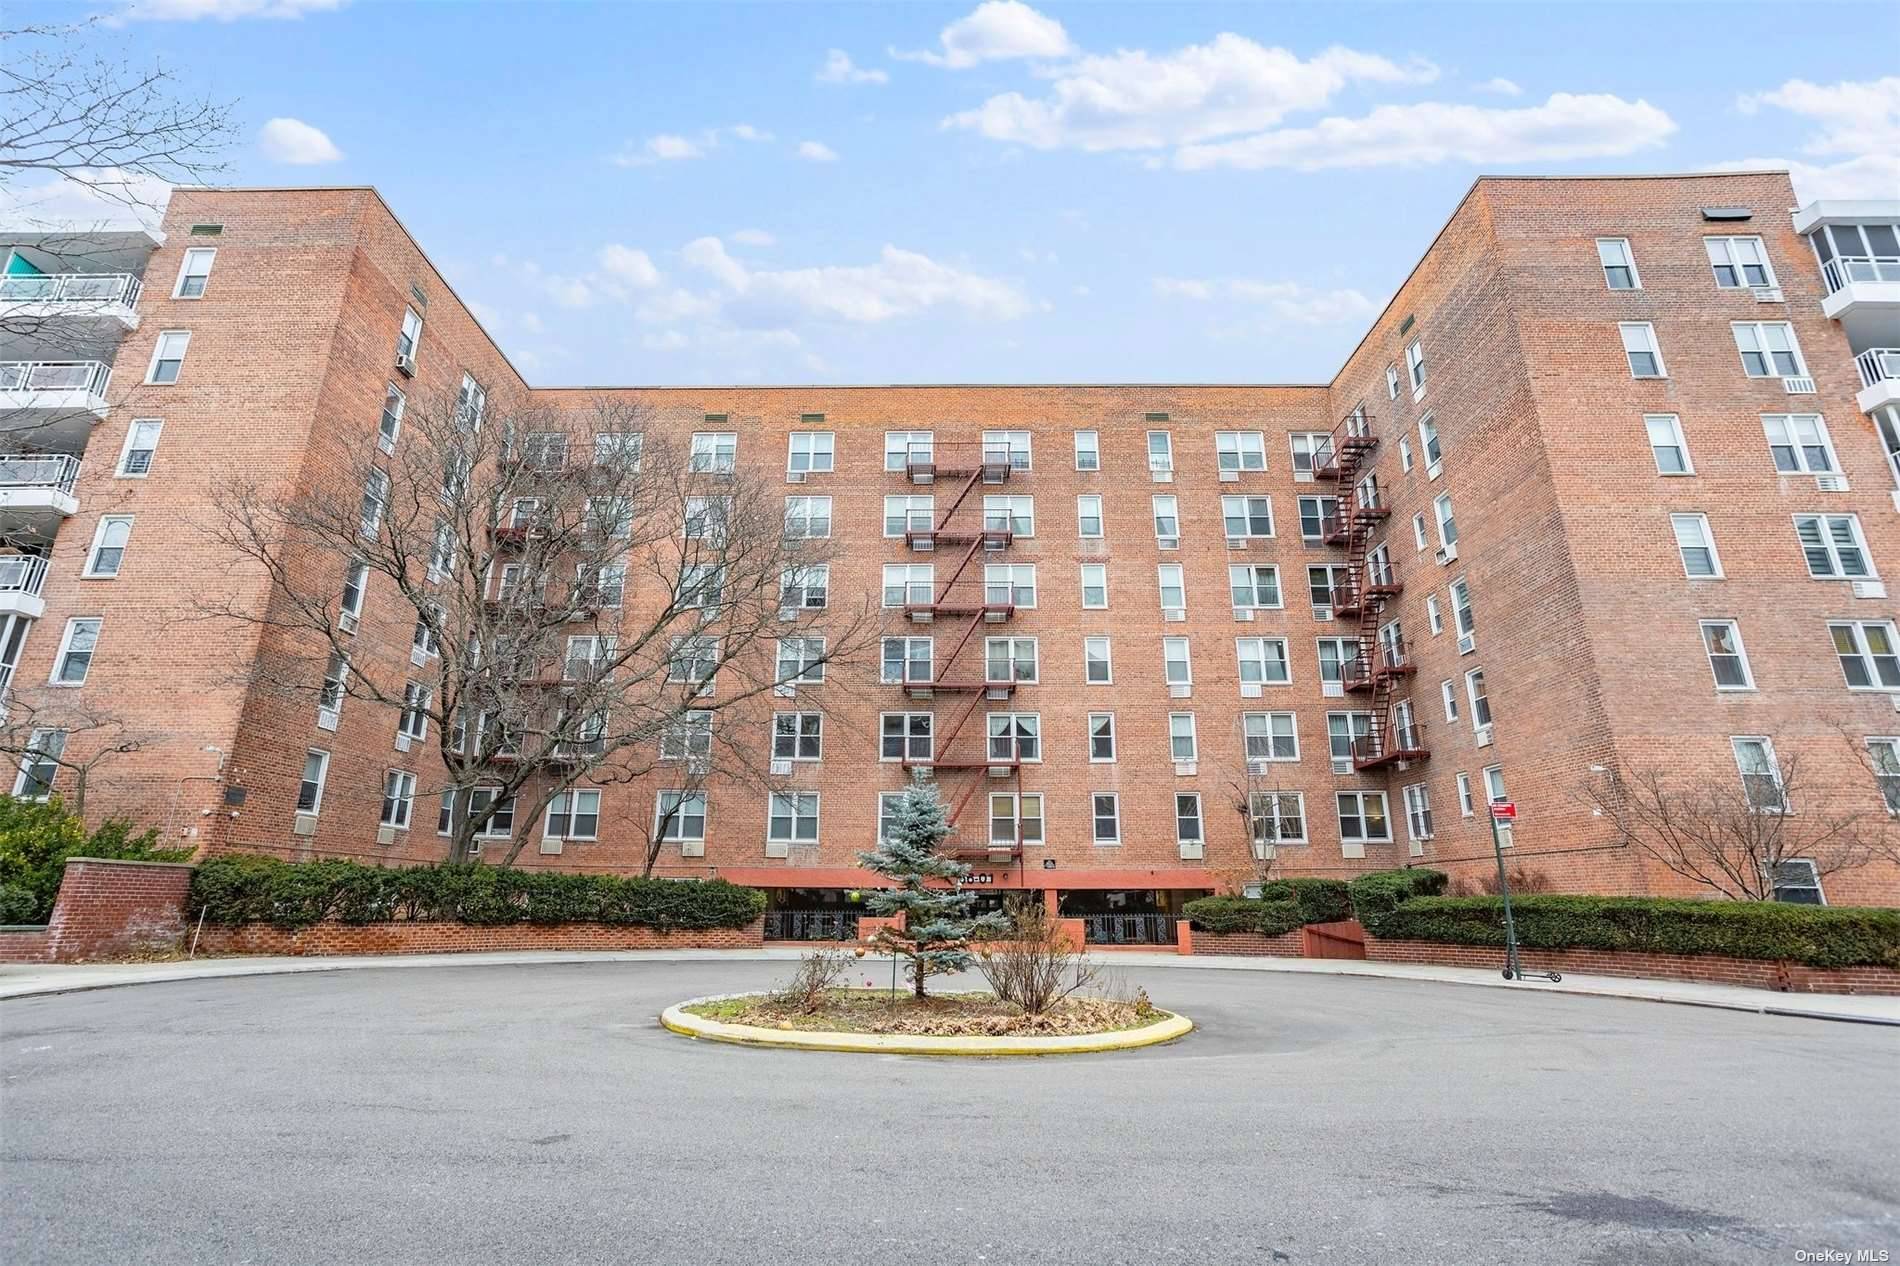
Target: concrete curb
{"points": [[680, 1021]]}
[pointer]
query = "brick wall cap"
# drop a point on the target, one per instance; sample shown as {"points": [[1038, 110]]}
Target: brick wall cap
{"points": [[131, 861]]}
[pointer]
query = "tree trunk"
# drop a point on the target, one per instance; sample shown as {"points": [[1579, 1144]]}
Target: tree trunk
{"points": [[79, 792]]}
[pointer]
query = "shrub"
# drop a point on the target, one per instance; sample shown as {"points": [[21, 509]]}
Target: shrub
{"points": [[1380, 892], [290, 895], [18, 904], [36, 838], [1818, 936], [1321, 900], [1034, 963], [1245, 914], [818, 974]]}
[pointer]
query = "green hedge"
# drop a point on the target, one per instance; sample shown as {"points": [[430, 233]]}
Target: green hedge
{"points": [[1321, 900], [235, 890], [1818, 936], [1244, 914], [1377, 894]]}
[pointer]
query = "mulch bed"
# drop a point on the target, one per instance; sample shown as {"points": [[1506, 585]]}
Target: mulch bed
{"points": [[941, 1015]]}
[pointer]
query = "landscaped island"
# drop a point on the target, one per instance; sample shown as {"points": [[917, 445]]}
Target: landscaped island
{"points": [[943, 1015]]}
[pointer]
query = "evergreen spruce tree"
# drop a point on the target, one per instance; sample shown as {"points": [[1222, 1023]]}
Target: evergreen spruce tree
{"points": [[938, 926]]}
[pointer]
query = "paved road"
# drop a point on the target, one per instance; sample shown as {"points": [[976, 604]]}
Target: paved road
{"points": [[532, 1114]]}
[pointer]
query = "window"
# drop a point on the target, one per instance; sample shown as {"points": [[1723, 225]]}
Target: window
{"points": [[424, 640], [619, 450], [608, 584], [1098, 670], [1434, 619], [316, 767], [909, 514], [1262, 661], [471, 403], [39, 764], [683, 814], [1697, 545], [399, 797], [409, 340], [1869, 654], [1088, 452], [375, 498], [1015, 819], [1094, 586], [1480, 700], [902, 447], [687, 736], [1449, 694], [1247, 517], [1738, 261], [1182, 744], [805, 588], [1167, 522], [1391, 382], [906, 736], [76, 648], [1013, 514], [1108, 817], [1722, 639], [1405, 453], [1428, 442], [1666, 444], [1447, 525], [1415, 366], [1338, 660], [1465, 806], [1088, 516], [1160, 452], [887, 802], [141, 445], [355, 584], [1798, 881], [1343, 731], [1639, 344], [1619, 265], [1240, 450], [1278, 817], [1461, 610], [1172, 579], [1494, 793], [801, 661], [168, 357], [714, 452], [1799, 443], [795, 735], [1009, 584], [1418, 812], [1176, 668], [693, 660], [810, 452], [1362, 818], [1010, 659], [908, 583], [108, 546], [1269, 736], [1254, 586], [1010, 446], [807, 518], [1312, 450], [1833, 545], [1320, 583], [413, 723], [1884, 755], [193, 273], [1187, 818], [1101, 736], [1314, 511], [793, 818], [906, 659], [1761, 774], [1768, 349], [574, 815], [1015, 736], [701, 587], [336, 677]]}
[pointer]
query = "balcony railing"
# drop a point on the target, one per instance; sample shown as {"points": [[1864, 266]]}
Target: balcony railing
{"points": [[89, 376], [1878, 364], [811, 925], [22, 573], [59, 471], [93, 289], [1128, 929], [1845, 269]]}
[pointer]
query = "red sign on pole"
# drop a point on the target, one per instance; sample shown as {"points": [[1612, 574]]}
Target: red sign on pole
{"points": [[1504, 810]]}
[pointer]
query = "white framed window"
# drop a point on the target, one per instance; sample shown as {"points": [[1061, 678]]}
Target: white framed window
{"points": [[501, 823], [1015, 514], [1869, 653], [1619, 263], [336, 679], [1172, 580], [1088, 450], [909, 514], [1494, 793], [906, 736], [399, 798], [807, 518], [1177, 667], [1644, 353], [389, 425], [801, 661], [805, 587], [1696, 543], [355, 587], [1465, 806], [1161, 452], [1015, 818], [1254, 586], [702, 587], [375, 500], [1107, 813], [793, 817], [693, 659], [1010, 446], [1101, 737], [907, 583], [1448, 694], [1797, 881], [1447, 525], [425, 640], [316, 769], [1088, 516], [573, 815], [1187, 817], [193, 272], [1833, 546], [1391, 382], [1768, 349], [1314, 511], [1728, 659], [619, 450], [471, 405], [1480, 700], [1247, 518], [1362, 818], [1415, 366], [1430, 444], [413, 723], [1015, 736], [168, 357], [1277, 817], [1010, 584], [1884, 756], [544, 451], [1739, 262], [795, 735], [1011, 659], [1263, 661], [1799, 443], [1311, 451], [1320, 583], [1338, 659], [1761, 773], [1183, 744], [1667, 445], [688, 735], [714, 452], [1240, 450], [39, 764], [1434, 618], [810, 452], [107, 552], [1270, 736], [1467, 627], [1405, 454], [1418, 812], [141, 446], [900, 447], [906, 659], [1167, 518], [409, 339], [1094, 586], [1098, 668], [76, 648], [1343, 731], [684, 815]]}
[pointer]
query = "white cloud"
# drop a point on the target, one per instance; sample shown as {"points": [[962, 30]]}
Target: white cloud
{"points": [[1503, 87], [1565, 127], [817, 152], [753, 237], [996, 30], [1859, 127], [1136, 100], [901, 283], [626, 264], [222, 10], [1287, 300], [746, 132], [673, 147], [296, 142], [839, 70], [670, 147], [88, 198]]}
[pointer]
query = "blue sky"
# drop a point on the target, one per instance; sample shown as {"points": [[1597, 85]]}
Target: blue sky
{"points": [[644, 193]]}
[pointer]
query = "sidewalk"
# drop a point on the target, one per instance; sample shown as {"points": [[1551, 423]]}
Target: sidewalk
{"points": [[29, 980]]}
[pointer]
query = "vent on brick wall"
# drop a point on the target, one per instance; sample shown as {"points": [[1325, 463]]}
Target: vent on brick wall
{"points": [[1798, 386], [415, 292], [1405, 326], [715, 417], [1727, 213], [810, 418], [206, 230], [235, 797]]}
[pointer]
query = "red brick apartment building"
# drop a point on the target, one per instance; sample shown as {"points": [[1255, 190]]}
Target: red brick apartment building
{"points": [[1611, 482]]}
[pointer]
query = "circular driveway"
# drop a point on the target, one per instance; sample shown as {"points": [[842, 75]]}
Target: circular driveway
{"points": [[538, 1113]]}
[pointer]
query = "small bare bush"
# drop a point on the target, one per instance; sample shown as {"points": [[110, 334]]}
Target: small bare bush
{"points": [[819, 972], [1523, 882], [1035, 964]]}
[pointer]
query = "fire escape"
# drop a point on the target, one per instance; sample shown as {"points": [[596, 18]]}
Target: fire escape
{"points": [[962, 603], [1380, 665]]}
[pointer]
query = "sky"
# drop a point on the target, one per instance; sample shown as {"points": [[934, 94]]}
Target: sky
{"points": [[803, 193]]}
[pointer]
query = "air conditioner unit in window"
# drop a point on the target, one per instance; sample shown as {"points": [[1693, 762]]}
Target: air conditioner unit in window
{"points": [[1831, 483], [1168, 542], [1870, 588], [1484, 736], [1467, 644], [1322, 613], [1444, 554], [1181, 692], [1798, 386], [1342, 767], [1302, 476], [778, 848], [1174, 614], [475, 848], [346, 622], [1768, 294], [1192, 850], [780, 768], [304, 824], [788, 613], [385, 835], [1256, 767], [551, 846], [418, 656], [1230, 476], [1249, 690], [1184, 769], [402, 742], [795, 476], [1160, 475], [785, 689], [407, 364], [1236, 542], [692, 848], [1332, 689], [1244, 614], [326, 720]]}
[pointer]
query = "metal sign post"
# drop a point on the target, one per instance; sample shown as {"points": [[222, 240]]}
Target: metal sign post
{"points": [[1506, 811]]}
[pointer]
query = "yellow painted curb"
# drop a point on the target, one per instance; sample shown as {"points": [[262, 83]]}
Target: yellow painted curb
{"points": [[677, 1018]]}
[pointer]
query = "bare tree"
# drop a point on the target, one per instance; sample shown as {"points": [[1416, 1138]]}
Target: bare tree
{"points": [[591, 602], [1733, 835], [47, 732], [1265, 805]]}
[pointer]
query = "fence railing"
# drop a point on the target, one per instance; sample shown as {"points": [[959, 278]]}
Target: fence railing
{"points": [[1878, 364], [1843, 269], [1128, 929], [811, 925], [96, 289], [90, 376], [39, 470], [22, 573]]}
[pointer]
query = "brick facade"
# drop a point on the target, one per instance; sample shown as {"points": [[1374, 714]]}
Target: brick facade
{"points": [[1706, 969], [106, 909], [459, 938]]}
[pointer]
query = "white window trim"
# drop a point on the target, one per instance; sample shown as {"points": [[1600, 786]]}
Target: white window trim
{"points": [[1629, 261], [90, 571], [65, 644], [1095, 448], [323, 782], [1114, 739], [407, 799], [1741, 653], [791, 448], [1708, 541], [1654, 348], [547, 821], [1682, 444], [158, 348], [178, 286], [1108, 660], [1833, 551], [1115, 801], [1794, 346], [705, 799], [1800, 450], [125, 449], [1084, 577]]}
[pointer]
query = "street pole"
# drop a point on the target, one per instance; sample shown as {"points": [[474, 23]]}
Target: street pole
{"points": [[1511, 969]]}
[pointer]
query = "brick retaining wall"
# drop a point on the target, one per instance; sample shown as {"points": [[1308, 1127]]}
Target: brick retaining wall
{"points": [[1249, 944], [106, 909], [1707, 969], [462, 938]]}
